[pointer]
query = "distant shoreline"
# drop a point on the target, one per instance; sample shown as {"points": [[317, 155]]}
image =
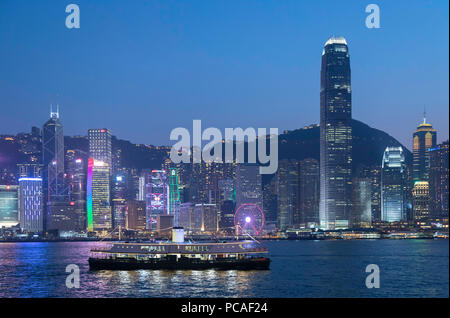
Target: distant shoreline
{"points": [[131, 241]]}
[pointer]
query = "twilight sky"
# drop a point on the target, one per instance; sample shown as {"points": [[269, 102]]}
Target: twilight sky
{"points": [[142, 68]]}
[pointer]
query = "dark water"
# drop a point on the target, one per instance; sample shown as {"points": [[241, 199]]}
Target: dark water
{"points": [[410, 268]]}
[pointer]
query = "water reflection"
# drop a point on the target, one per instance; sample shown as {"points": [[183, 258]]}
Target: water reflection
{"points": [[298, 269]]}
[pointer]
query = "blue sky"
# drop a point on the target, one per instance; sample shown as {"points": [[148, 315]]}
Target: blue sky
{"points": [[142, 68]]}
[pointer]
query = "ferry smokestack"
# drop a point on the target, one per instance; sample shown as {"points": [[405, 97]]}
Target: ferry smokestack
{"points": [[177, 234]]}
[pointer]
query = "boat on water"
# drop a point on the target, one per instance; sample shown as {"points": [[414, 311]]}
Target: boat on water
{"points": [[179, 255]]}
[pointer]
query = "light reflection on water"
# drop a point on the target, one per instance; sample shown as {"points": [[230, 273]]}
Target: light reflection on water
{"points": [[298, 269]]}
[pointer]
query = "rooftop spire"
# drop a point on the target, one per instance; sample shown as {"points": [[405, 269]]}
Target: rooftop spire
{"points": [[424, 115], [54, 115]]}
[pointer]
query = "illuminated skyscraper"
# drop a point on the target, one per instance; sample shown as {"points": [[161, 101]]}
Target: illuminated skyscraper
{"points": [[98, 196], [288, 193], [361, 203], [77, 184], [55, 190], [248, 185], [174, 195], [335, 135], [156, 197], [439, 185], [424, 138], [393, 185], [100, 145], [421, 200], [31, 214], [135, 219], [9, 205], [309, 192]]}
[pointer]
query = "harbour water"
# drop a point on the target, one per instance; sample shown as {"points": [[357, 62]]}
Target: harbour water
{"points": [[408, 268]]}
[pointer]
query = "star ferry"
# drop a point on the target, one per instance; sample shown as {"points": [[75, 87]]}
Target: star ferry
{"points": [[179, 255]]}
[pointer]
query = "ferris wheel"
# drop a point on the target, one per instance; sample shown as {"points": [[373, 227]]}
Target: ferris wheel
{"points": [[249, 218]]}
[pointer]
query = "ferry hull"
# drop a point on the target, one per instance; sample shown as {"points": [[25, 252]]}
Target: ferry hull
{"points": [[182, 264]]}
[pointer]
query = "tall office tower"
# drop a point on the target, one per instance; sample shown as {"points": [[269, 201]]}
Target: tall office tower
{"points": [[270, 200], [424, 138], [156, 197], [135, 219], [226, 217], [361, 216], [77, 185], [309, 192], [100, 145], [31, 214], [119, 195], [288, 193], [421, 198], [335, 135], [98, 196], [184, 219], [373, 173], [205, 218], [9, 205], [248, 185], [227, 190], [174, 195], [439, 171], [53, 165], [393, 185]]}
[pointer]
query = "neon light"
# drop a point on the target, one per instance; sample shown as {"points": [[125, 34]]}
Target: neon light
{"points": [[90, 218], [30, 179]]}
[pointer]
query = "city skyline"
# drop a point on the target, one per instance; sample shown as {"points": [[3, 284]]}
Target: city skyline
{"points": [[182, 85]]}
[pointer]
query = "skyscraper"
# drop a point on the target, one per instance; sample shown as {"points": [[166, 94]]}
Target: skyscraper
{"points": [[248, 185], [77, 185], [98, 196], [335, 135], [361, 203], [100, 145], [393, 185], [155, 197], [288, 193], [119, 197], [439, 185], [9, 205], [174, 195], [309, 192], [135, 219], [53, 165], [421, 200], [424, 138], [31, 214]]}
